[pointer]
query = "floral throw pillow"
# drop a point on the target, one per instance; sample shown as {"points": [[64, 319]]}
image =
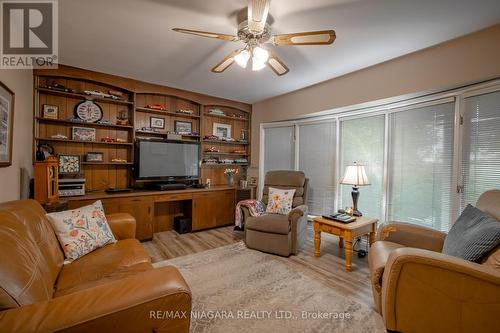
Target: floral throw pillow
{"points": [[81, 231], [280, 201]]}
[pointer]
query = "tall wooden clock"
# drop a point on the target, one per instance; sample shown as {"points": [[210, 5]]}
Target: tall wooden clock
{"points": [[46, 181]]}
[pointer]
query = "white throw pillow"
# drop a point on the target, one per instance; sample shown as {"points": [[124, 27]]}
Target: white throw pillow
{"points": [[280, 201], [81, 231]]}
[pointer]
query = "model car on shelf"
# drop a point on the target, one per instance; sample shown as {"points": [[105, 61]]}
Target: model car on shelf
{"points": [[210, 161], [212, 150], [107, 139], [157, 107], [239, 151], [120, 140], [104, 122], [211, 137], [150, 130], [227, 139], [241, 161], [97, 93], [58, 87], [226, 161], [59, 136], [216, 111], [185, 111], [116, 93], [242, 141], [118, 160]]}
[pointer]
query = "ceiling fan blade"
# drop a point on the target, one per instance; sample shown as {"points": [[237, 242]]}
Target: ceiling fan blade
{"points": [[225, 63], [257, 15], [229, 38], [323, 37], [277, 65]]}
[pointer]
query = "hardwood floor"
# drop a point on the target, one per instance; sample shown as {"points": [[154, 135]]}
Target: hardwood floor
{"points": [[329, 268]]}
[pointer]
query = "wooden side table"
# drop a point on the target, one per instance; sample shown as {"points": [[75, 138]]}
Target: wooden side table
{"points": [[346, 231]]}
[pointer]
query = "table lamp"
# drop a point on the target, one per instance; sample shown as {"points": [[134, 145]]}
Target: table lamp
{"points": [[355, 175]]}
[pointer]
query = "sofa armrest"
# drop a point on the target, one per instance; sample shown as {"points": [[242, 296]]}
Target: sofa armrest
{"points": [[139, 303], [412, 235], [298, 225], [297, 213], [246, 213], [122, 225], [426, 291]]}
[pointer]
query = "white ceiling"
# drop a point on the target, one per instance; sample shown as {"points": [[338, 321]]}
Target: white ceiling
{"points": [[133, 38]]}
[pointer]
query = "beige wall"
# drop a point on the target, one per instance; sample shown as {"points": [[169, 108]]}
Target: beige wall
{"points": [[21, 83], [470, 58]]}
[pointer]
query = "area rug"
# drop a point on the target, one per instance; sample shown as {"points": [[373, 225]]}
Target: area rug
{"points": [[236, 289]]}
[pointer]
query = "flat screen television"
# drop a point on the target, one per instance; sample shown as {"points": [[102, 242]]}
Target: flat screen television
{"points": [[160, 160]]}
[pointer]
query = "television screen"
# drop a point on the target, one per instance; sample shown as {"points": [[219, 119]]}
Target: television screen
{"points": [[168, 159]]}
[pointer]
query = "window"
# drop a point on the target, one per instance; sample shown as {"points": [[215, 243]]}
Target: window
{"points": [[279, 151], [362, 141], [317, 160], [420, 165], [481, 146]]}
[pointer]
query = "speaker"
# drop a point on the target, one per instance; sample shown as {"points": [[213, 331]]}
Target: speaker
{"points": [[182, 224]]}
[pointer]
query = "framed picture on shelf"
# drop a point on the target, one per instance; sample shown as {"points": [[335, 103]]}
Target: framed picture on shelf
{"points": [[50, 111], [83, 134], [69, 164], [6, 124], [157, 122], [183, 127], [94, 157], [222, 130]]}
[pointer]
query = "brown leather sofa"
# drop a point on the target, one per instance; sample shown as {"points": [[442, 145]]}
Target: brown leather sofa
{"points": [[113, 289], [416, 288], [274, 233]]}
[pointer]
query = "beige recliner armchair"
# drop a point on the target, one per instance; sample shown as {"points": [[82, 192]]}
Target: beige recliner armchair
{"points": [[416, 288], [280, 234]]}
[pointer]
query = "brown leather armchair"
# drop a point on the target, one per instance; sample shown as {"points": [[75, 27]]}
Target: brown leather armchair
{"points": [[416, 288], [274, 233], [112, 289]]}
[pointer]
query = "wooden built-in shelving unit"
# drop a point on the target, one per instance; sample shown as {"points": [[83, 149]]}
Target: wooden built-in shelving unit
{"points": [[136, 96]]}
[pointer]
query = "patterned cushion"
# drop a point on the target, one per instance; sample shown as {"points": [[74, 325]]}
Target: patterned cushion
{"points": [[82, 230], [473, 235], [280, 201]]}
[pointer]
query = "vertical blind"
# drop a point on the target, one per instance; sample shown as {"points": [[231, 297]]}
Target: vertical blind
{"points": [[481, 146], [279, 148], [362, 141], [317, 145], [421, 164]]}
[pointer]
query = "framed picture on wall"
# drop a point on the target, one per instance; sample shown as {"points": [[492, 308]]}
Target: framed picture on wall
{"points": [[83, 134], [157, 122], [183, 127], [69, 164], [94, 156], [50, 111], [222, 130], [6, 124]]}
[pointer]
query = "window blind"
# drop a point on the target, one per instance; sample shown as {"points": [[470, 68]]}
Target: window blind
{"points": [[481, 146], [279, 148], [317, 146], [362, 141], [420, 165]]}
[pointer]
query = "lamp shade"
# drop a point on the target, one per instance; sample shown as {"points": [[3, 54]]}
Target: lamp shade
{"points": [[355, 175]]}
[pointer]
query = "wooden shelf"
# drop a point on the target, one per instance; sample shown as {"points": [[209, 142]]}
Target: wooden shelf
{"points": [[82, 96], [166, 113], [225, 154], [107, 163], [165, 134], [87, 142], [68, 122], [224, 165], [225, 117], [220, 142]]}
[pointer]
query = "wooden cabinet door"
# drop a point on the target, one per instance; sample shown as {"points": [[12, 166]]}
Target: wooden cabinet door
{"points": [[111, 206], [225, 208], [204, 209], [141, 208]]}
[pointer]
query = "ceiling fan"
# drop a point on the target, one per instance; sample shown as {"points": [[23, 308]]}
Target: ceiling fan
{"points": [[255, 31]]}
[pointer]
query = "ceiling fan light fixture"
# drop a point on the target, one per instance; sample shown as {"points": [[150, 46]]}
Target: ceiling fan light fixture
{"points": [[260, 54], [242, 58], [257, 65]]}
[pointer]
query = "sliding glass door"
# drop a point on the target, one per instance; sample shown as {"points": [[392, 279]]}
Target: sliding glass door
{"points": [[279, 148], [480, 146], [362, 141], [421, 165], [317, 146]]}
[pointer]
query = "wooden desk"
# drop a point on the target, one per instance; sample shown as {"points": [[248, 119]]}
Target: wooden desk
{"points": [[346, 231], [154, 211]]}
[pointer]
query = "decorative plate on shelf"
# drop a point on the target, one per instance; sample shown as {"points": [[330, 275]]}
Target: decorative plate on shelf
{"points": [[88, 111]]}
